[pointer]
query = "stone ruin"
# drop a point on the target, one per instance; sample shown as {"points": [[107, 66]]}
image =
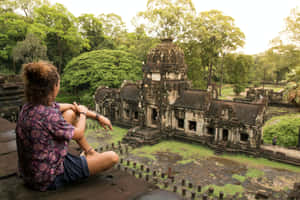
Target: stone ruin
{"points": [[272, 97], [163, 105], [11, 96]]}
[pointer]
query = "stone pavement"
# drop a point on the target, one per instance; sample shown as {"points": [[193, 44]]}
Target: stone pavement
{"points": [[289, 152]]}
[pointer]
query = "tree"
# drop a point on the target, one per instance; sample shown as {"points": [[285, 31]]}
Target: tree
{"points": [[13, 28], [216, 35], [293, 25], [26, 6], [58, 28], [167, 18], [29, 50], [85, 73], [237, 68], [113, 27], [92, 30], [139, 44]]}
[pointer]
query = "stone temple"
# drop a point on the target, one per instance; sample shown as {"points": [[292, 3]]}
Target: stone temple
{"points": [[163, 105]]}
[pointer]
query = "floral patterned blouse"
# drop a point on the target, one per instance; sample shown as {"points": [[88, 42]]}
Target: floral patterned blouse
{"points": [[42, 142]]}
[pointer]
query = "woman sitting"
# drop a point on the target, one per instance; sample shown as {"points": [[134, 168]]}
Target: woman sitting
{"points": [[44, 129]]}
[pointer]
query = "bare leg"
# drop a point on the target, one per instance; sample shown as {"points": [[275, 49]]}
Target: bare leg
{"points": [[97, 162], [70, 116]]}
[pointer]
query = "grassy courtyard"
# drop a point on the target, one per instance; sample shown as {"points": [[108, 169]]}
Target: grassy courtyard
{"points": [[227, 173]]}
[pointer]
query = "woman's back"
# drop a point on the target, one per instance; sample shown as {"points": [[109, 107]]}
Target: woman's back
{"points": [[42, 138]]}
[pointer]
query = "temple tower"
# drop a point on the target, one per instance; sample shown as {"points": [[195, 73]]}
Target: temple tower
{"points": [[165, 78]]}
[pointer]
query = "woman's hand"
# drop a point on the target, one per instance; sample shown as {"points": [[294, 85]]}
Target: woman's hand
{"points": [[80, 108], [90, 152], [104, 122]]}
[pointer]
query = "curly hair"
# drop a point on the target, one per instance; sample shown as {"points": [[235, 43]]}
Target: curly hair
{"points": [[40, 78]]}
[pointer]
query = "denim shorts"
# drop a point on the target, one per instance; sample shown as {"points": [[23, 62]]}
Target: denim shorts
{"points": [[75, 169]]}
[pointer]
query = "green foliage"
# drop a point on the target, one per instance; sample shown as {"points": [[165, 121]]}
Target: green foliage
{"points": [[212, 35], [238, 88], [26, 6], [92, 30], [293, 25], [85, 73], [167, 18], [6, 71], [113, 27], [29, 50], [238, 68], [13, 28], [139, 44], [57, 27], [285, 128]]}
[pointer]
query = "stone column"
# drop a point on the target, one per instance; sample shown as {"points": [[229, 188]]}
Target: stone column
{"points": [[218, 135], [232, 134]]}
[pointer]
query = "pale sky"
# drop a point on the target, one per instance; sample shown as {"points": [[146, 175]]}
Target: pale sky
{"points": [[260, 20]]}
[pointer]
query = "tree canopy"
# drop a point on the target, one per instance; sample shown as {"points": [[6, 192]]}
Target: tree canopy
{"points": [[168, 18], [30, 50], [100, 68], [29, 29]]}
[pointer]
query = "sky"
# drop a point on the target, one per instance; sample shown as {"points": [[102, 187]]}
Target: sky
{"points": [[260, 20]]}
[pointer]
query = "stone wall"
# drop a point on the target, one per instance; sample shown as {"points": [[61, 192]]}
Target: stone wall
{"points": [[272, 96], [11, 96]]}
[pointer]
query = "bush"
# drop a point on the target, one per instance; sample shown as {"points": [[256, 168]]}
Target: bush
{"points": [[285, 128], [85, 73], [238, 88]]}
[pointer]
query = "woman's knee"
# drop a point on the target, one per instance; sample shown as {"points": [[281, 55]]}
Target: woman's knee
{"points": [[114, 158], [69, 116]]}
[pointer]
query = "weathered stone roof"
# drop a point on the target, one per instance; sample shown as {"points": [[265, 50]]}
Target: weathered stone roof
{"points": [[130, 92], [165, 54], [197, 99], [103, 93], [244, 113]]}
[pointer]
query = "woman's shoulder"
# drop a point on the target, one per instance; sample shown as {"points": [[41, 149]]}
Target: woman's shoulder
{"points": [[39, 111]]}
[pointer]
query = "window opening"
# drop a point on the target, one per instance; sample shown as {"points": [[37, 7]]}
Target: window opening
{"points": [[192, 125], [244, 137], [180, 123], [225, 134]]}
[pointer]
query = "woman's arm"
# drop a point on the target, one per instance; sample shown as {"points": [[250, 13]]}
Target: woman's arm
{"points": [[66, 106], [80, 128], [104, 122]]}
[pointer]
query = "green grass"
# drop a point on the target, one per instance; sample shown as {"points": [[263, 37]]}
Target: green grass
{"points": [[254, 173], [227, 189], [227, 90], [116, 134], [183, 162], [191, 152], [239, 177], [275, 88], [251, 173], [260, 162], [188, 152]]}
